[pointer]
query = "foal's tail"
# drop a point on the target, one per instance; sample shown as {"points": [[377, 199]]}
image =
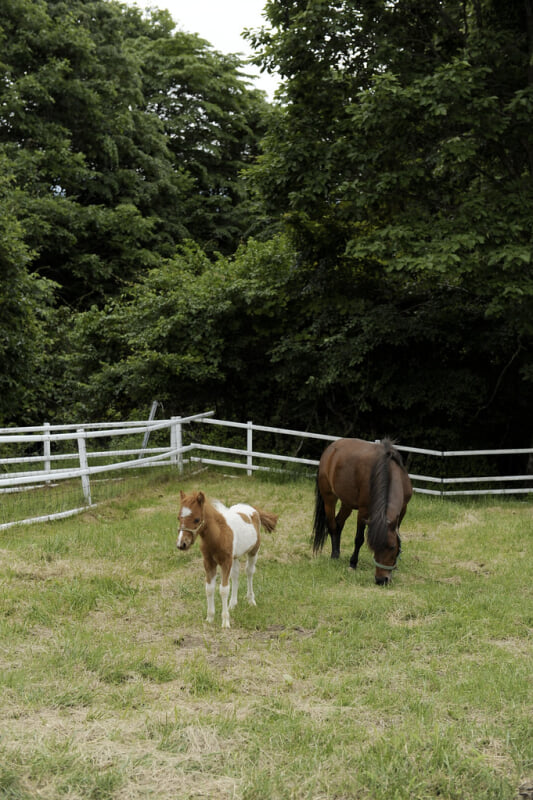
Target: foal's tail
{"points": [[320, 530], [268, 520]]}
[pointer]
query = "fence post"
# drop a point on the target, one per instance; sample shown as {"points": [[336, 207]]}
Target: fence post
{"points": [[151, 417], [84, 465], [176, 443], [46, 447], [249, 447]]}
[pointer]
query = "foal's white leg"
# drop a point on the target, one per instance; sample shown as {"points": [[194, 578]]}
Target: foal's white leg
{"points": [[210, 593], [224, 593], [234, 583], [250, 569]]}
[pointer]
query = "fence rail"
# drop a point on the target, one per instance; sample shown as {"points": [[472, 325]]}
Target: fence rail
{"points": [[177, 454]]}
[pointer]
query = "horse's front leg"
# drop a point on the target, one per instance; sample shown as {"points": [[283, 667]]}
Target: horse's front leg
{"points": [[210, 584], [359, 539], [224, 592]]}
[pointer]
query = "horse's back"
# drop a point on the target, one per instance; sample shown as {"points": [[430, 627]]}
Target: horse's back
{"points": [[349, 452], [346, 466]]}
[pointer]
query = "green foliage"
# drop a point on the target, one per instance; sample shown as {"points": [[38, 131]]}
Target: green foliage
{"points": [[24, 299], [401, 161], [183, 334], [124, 138], [92, 167], [213, 122]]}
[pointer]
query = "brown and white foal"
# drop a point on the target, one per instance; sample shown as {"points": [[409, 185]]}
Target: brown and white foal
{"points": [[226, 534]]}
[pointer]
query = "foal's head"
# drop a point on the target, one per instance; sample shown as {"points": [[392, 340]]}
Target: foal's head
{"points": [[190, 518]]}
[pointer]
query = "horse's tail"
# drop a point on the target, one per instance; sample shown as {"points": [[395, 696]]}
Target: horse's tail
{"points": [[320, 530], [268, 520], [379, 495]]}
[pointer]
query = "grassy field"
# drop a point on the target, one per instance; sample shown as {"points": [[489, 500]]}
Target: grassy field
{"points": [[113, 685]]}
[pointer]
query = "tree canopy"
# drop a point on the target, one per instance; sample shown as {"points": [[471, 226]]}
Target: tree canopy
{"points": [[402, 163], [105, 155]]}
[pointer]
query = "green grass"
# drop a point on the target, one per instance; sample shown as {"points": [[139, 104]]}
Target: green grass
{"points": [[113, 686]]}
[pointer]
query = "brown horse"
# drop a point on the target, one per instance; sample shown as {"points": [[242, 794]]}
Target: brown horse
{"points": [[372, 478]]}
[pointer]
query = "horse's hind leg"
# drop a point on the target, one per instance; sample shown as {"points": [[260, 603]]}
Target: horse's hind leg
{"points": [[250, 569], [235, 569], [339, 520], [330, 501], [359, 539]]}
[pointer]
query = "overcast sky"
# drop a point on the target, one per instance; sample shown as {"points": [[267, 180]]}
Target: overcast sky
{"points": [[221, 22]]}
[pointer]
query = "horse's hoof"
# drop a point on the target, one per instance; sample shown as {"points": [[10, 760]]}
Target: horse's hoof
{"points": [[352, 566]]}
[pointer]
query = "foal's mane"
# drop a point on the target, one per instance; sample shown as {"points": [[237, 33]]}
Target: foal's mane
{"points": [[379, 494]]}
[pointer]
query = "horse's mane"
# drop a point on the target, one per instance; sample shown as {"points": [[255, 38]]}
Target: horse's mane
{"points": [[379, 494]]}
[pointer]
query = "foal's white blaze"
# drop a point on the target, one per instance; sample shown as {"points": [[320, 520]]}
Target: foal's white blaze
{"points": [[185, 512]]}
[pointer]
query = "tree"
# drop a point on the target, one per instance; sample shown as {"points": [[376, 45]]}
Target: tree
{"points": [[101, 198], [125, 138], [213, 122], [193, 333], [23, 303], [123, 141], [401, 162]]}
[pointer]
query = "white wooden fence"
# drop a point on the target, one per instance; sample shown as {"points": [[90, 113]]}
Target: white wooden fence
{"points": [[177, 454]]}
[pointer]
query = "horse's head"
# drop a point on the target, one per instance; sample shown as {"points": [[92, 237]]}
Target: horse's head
{"points": [[190, 519], [386, 559]]}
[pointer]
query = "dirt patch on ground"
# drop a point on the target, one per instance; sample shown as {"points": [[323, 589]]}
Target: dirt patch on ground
{"points": [[280, 631], [477, 567], [190, 642]]}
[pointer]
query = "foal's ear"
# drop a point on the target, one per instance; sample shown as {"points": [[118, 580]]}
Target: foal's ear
{"points": [[200, 498], [182, 494]]}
